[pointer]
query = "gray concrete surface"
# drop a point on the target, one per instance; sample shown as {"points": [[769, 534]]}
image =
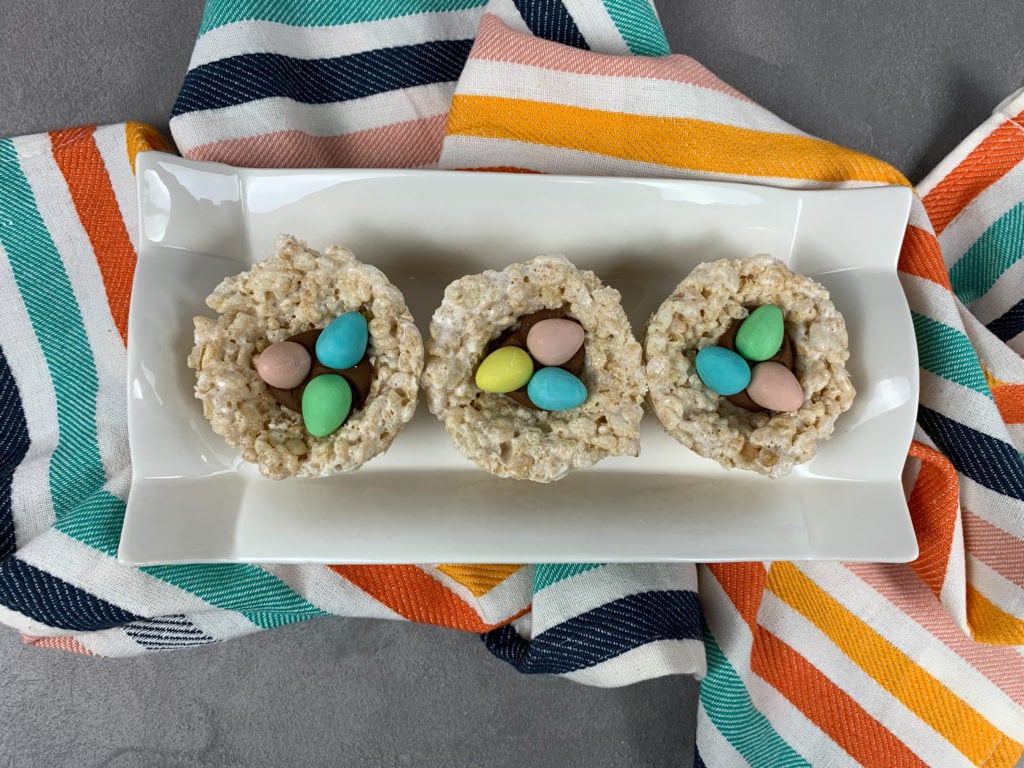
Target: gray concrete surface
{"points": [[903, 80]]}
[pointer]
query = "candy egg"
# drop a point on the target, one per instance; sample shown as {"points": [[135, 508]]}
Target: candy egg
{"points": [[505, 369], [774, 387], [326, 403], [283, 365], [554, 341], [343, 343], [722, 370], [555, 389], [760, 335]]}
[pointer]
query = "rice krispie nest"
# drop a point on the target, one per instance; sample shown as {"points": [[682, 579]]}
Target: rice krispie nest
{"points": [[697, 314], [295, 290], [503, 437]]}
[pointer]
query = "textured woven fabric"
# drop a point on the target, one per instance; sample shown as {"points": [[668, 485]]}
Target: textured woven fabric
{"points": [[368, 84], [69, 256], [827, 663], [801, 664]]}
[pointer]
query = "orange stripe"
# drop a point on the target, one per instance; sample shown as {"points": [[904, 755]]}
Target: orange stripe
{"points": [[888, 665], [59, 643], [415, 595], [140, 137], [934, 507], [1010, 400], [991, 624], [992, 159], [696, 145], [921, 256], [823, 702], [744, 583], [479, 579], [80, 162], [827, 705]]}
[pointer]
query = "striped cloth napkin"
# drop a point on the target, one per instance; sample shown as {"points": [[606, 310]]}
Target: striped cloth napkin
{"points": [[811, 663]]}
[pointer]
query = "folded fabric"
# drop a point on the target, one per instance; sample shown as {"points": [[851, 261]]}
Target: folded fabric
{"points": [[67, 474], [815, 663], [368, 84], [812, 663]]}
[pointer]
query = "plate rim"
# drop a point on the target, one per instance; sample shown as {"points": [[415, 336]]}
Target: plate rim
{"points": [[149, 160]]}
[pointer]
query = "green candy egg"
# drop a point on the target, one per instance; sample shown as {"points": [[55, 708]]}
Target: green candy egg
{"points": [[326, 403], [760, 335]]}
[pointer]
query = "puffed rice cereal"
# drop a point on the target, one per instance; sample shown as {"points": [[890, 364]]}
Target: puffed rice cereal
{"points": [[294, 290], [501, 436], [699, 311]]}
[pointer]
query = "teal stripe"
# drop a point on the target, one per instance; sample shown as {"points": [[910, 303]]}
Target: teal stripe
{"points": [[97, 522], [992, 254], [83, 509], [256, 594], [948, 353], [322, 13], [240, 587], [728, 705], [76, 469], [639, 26], [546, 574]]}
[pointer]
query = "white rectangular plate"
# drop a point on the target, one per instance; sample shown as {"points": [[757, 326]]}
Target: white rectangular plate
{"points": [[194, 500]]}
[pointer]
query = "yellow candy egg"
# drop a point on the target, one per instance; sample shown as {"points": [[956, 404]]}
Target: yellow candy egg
{"points": [[504, 370]]}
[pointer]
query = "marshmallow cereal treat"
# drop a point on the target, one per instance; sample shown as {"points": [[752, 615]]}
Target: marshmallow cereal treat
{"points": [[311, 366], [746, 364], [534, 370]]}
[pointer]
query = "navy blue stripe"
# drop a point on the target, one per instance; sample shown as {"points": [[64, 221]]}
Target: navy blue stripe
{"points": [[14, 444], [151, 646], [240, 79], [601, 634], [698, 761], [1010, 323], [166, 633], [150, 638], [161, 645], [552, 21], [151, 631], [163, 625], [990, 462], [51, 601]]}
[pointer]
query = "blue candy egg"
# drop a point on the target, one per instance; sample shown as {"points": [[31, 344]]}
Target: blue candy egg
{"points": [[343, 343], [555, 389], [722, 370]]}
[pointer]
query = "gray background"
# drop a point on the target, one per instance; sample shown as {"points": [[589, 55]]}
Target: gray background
{"points": [[903, 80]]}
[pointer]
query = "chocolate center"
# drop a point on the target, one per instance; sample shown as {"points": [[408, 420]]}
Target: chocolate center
{"points": [[786, 355], [516, 337], [358, 376]]}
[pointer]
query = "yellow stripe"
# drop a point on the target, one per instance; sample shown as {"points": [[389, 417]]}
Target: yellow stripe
{"points": [[695, 145], [479, 579], [991, 380], [890, 667], [140, 137], [1005, 755], [991, 624]]}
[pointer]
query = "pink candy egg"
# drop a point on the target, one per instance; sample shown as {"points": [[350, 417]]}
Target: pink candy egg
{"points": [[774, 387], [554, 341], [284, 365]]}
